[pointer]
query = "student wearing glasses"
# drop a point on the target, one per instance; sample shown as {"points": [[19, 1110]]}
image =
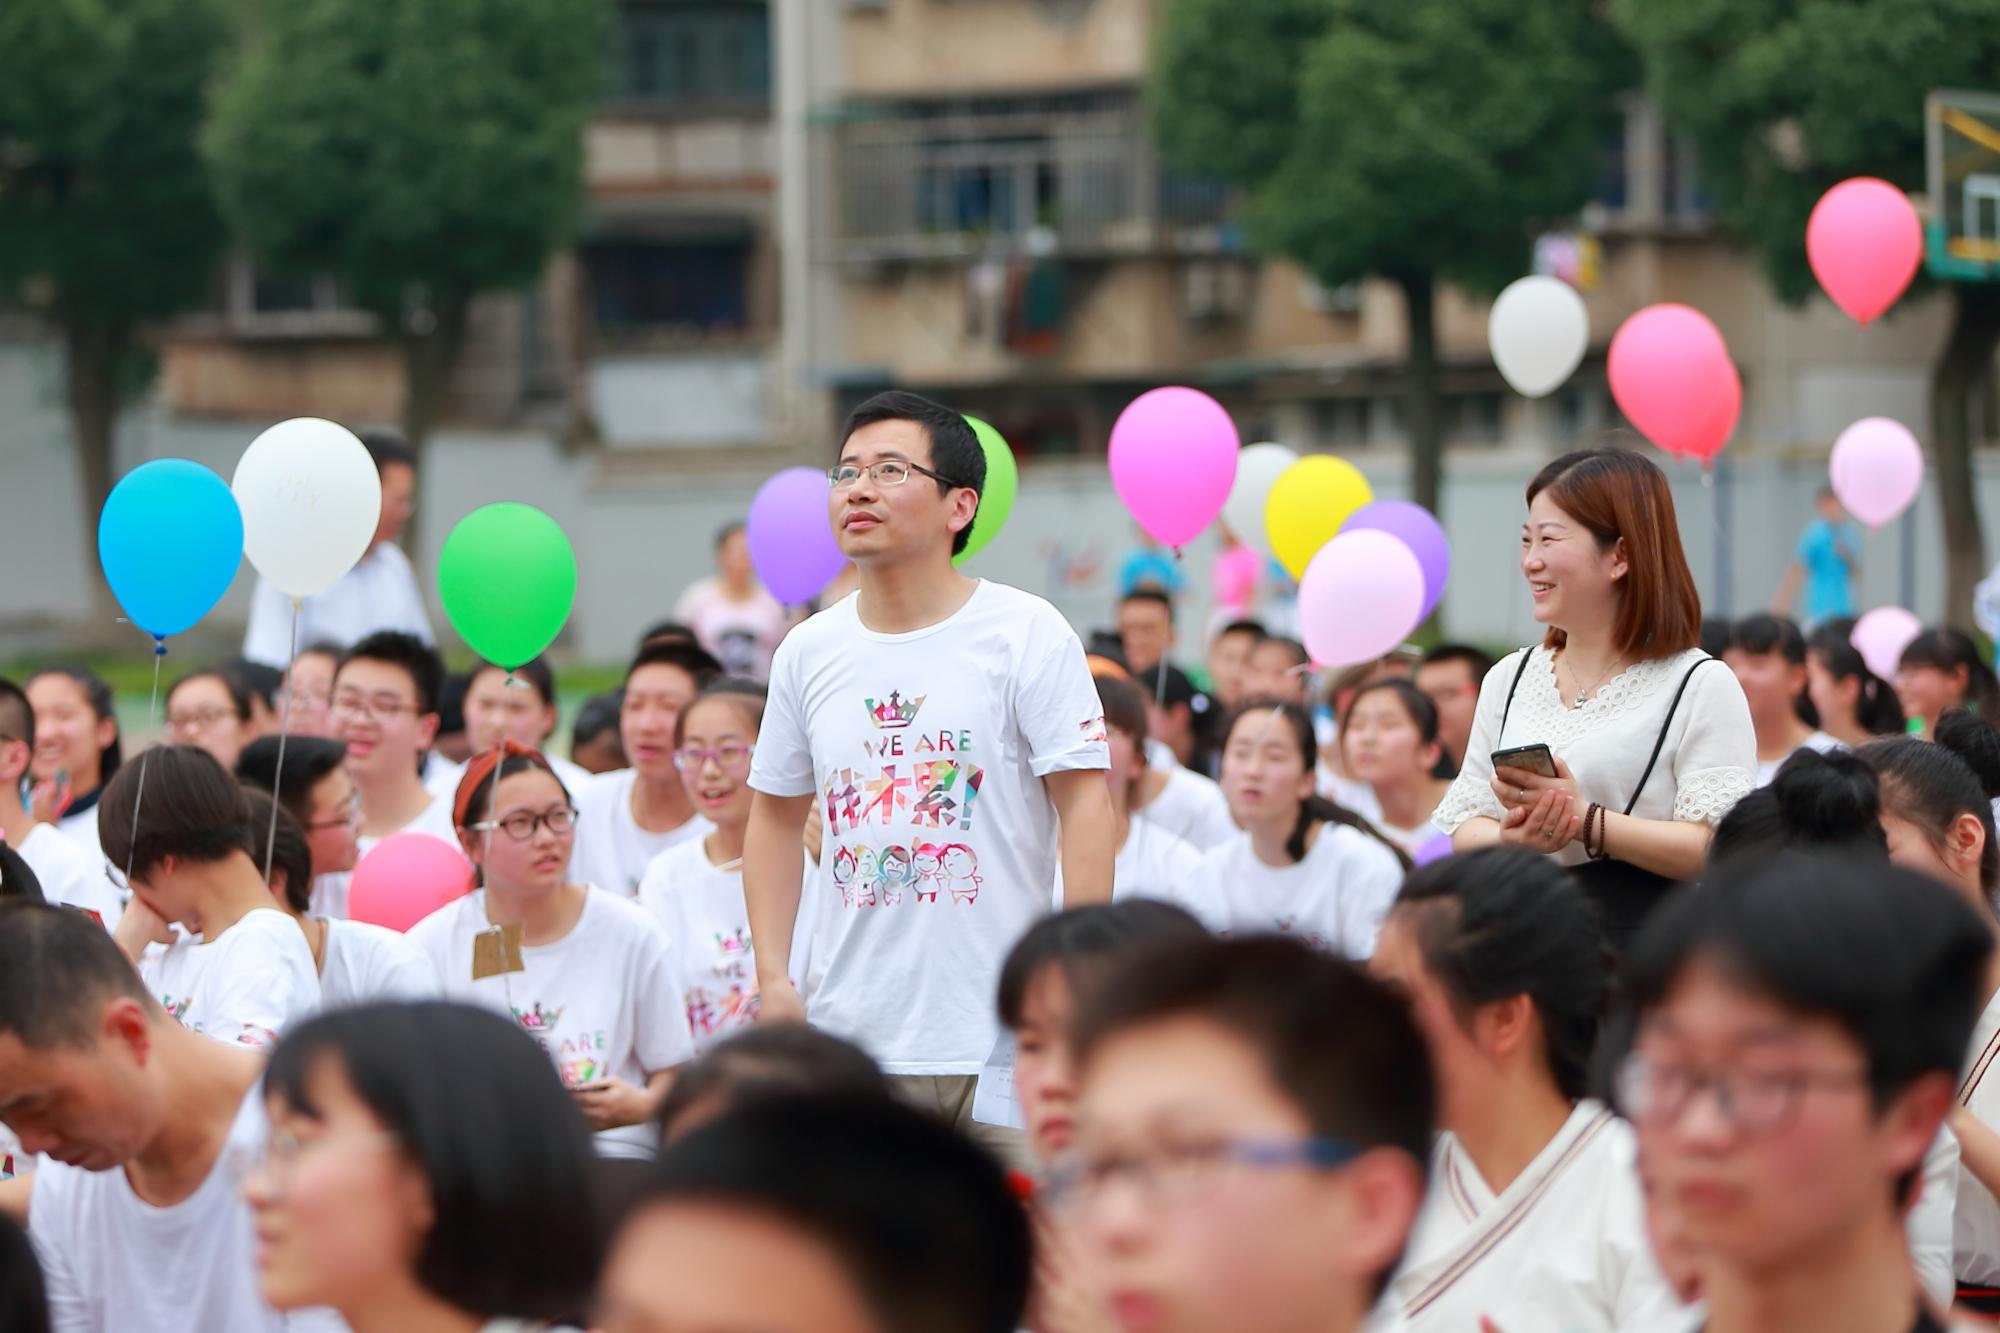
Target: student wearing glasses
{"points": [[211, 710], [949, 732], [1785, 1095], [385, 708], [586, 973]]}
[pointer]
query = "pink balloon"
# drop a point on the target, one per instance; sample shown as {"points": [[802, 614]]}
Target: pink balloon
{"points": [[1877, 469], [1671, 374], [1864, 242], [1173, 459], [1881, 636], [1360, 597], [404, 878]]}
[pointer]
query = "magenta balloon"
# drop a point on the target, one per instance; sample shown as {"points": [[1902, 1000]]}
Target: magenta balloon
{"points": [[1173, 459], [1434, 848], [404, 878], [1420, 532], [1864, 242], [1671, 374], [1877, 469], [791, 540], [1880, 637], [1359, 598]]}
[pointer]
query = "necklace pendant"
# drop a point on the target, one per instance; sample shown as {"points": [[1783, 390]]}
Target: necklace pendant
{"points": [[1579, 699]]}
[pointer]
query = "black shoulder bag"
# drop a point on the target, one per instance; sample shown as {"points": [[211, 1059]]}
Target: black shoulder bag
{"points": [[1624, 893]]}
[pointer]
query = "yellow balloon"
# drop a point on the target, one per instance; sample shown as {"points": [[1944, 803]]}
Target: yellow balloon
{"points": [[1306, 507]]}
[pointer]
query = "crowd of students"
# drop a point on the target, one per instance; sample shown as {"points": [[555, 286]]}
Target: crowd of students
{"points": [[1644, 979]]}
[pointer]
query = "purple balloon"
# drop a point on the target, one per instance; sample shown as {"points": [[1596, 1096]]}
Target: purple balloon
{"points": [[791, 541], [1434, 848], [1420, 532]]}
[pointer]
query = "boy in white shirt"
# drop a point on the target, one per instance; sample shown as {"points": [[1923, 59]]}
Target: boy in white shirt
{"points": [[241, 971], [385, 698], [67, 873], [146, 1130], [950, 731]]}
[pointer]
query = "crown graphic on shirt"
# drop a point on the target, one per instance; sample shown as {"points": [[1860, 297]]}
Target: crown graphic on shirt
{"points": [[538, 1019], [733, 945], [895, 712]]}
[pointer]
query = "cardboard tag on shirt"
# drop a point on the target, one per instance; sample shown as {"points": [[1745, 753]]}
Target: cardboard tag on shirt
{"points": [[497, 951], [993, 1100]]}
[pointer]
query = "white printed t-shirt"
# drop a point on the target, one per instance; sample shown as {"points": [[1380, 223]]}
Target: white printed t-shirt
{"points": [[1193, 809], [927, 752], [68, 876], [612, 851], [367, 962], [1334, 899], [603, 1000], [245, 987], [1152, 863], [116, 1264]]}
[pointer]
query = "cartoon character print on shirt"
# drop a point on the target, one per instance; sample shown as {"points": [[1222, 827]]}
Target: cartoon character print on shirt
{"points": [[927, 866], [961, 870], [732, 1001], [843, 875], [867, 866], [177, 1009], [893, 873]]}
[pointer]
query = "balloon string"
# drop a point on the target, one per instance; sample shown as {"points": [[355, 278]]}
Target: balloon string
{"points": [[139, 796], [284, 726], [493, 795], [1160, 671]]}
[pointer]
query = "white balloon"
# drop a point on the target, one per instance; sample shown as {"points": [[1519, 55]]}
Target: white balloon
{"points": [[311, 499], [1258, 468], [1539, 331]]}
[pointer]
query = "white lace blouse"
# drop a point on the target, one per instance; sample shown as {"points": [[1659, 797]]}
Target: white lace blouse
{"points": [[1709, 760]]}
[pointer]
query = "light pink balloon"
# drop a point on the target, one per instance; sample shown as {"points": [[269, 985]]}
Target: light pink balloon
{"points": [[1360, 597], [404, 878], [1671, 374], [1173, 459], [1877, 469], [1882, 635], [1864, 242]]}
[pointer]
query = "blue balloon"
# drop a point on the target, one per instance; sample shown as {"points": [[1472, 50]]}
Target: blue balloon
{"points": [[170, 539]]}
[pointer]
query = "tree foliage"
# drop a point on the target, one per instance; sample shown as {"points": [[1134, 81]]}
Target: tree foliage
{"points": [[420, 151], [1786, 98]]}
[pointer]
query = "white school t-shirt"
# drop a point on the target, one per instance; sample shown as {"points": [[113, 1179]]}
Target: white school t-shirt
{"points": [[1818, 740], [927, 752], [116, 1264], [1193, 809], [1152, 863], [81, 829], [69, 876], [364, 963], [700, 906], [603, 1000], [1334, 899], [612, 851], [245, 987]]}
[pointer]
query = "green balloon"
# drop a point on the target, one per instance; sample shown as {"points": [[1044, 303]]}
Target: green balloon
{"points": [[996, 500], [507, 577]]}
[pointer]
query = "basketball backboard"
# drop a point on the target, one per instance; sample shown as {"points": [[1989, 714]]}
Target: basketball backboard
{"points": [[1962, 142]]}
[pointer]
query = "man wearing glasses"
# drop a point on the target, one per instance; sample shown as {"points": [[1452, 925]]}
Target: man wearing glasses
{"points": [[385, 695], [68, 875], [929, 710], [1798, 1031]]}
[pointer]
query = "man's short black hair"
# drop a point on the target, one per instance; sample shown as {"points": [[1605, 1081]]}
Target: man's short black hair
{"points": [[770, 1061], [17, 879], [695, 660], [475, 1107], [1894, 958], [387, 447], [417, 658], [451, 702], [17, 715], [1365, 1080], [1153, 595], [194, 810], [308, 759], [1254, 628], [955, 452], [920, 1219], [1179, 691], [233, 686], [290, 856], [598, 715], [537, 673], [1477, 660], [666, 630], [1292, 648], [57, 968]]}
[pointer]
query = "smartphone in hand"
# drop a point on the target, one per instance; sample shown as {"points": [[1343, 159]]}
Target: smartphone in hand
{"points": [[1536, 758]]}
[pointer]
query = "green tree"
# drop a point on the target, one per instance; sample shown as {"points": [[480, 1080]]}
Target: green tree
{"points": [[419, 151], [107, 221], [1785, 98], [1420, 141]]}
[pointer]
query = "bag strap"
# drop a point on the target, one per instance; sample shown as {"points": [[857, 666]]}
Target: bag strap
{"points": [[1660, 741], [1508, 707]]}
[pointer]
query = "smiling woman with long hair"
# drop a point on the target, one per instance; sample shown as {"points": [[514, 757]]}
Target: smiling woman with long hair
{"points": [[1651, 738]]}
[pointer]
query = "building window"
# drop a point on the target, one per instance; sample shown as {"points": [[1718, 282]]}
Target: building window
{"points": [[1474, 418], [689, 288], [1341, 423], [693, 56]]}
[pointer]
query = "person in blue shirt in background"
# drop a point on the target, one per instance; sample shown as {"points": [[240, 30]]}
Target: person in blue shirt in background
{"points": [[1827, 562]]}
